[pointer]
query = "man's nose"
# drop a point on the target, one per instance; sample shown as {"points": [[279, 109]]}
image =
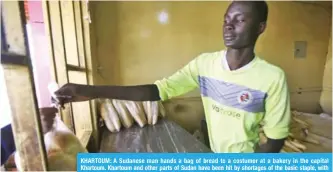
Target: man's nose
{"points": [[228, 27]]}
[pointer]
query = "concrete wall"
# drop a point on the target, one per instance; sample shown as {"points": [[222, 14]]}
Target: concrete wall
{"points": [[140, 42]]}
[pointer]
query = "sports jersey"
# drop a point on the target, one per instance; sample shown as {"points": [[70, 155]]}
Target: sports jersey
{"points": [[235, 102]]}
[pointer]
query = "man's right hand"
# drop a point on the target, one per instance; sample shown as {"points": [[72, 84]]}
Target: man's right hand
{"points": [[120, 108], [73, 93], [77, 92]]}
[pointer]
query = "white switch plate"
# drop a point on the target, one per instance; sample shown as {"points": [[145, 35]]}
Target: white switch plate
{"points": [[300, 48]]}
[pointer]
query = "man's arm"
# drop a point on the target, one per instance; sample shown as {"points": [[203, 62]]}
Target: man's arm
{"points": [[181, 82], [277, 117], [77, 92], [147, 92]]}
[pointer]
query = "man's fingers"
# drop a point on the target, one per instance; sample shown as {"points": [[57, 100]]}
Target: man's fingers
{"points": [[64, 90], [61, 91], [62, 102]]}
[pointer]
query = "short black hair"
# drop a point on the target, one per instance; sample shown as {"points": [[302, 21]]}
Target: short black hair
{"points": [[262, 10]]}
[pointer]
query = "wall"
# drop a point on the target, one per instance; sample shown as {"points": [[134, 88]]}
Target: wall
{"points": [[326, 94], [292, 21], [135, 44]]}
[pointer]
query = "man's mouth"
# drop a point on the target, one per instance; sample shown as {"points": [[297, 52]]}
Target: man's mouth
{"points": [[229, 37]]}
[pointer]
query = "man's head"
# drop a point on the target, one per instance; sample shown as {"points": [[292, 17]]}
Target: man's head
{"points": [[244, 21]]}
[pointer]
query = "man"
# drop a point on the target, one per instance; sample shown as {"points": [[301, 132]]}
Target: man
{"points": [[239, 90], [7, 139]]}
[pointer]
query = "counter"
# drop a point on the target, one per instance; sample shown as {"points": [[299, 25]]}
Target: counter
{"points": [[165, 136]]}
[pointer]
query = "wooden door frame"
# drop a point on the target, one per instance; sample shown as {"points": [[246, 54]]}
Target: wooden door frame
{"points": [[57, 49], [20, 85]]}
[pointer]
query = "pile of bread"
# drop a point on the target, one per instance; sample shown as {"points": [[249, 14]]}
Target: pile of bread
{"points": [[120, 113]]}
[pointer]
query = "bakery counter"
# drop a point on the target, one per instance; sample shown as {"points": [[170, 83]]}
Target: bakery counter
{"points": [[165, 136]]}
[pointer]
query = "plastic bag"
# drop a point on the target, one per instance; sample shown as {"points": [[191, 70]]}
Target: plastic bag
{"points": [[61, 144], [62, 147]]}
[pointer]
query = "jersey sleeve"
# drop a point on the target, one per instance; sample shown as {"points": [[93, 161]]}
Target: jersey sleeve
{"points": [[181, 82], [278, 115]]}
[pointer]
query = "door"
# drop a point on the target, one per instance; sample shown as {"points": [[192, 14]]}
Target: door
{"points": [[67, 27], [17, 83]]}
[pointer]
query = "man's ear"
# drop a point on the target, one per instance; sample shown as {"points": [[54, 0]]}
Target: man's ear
{"points": [[262, 27]]}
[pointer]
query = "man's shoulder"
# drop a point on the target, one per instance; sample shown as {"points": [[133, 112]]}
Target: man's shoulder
{"points": [[210, 55], [271, 70]]}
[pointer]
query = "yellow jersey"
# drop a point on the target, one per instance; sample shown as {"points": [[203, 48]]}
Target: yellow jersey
{"points": [[236, 101]]}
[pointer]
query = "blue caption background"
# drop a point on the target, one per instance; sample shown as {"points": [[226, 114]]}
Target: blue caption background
{"points": [[204, 162]]}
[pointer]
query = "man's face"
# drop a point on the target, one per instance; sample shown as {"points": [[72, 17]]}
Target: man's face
{"points": [[241, 27]]}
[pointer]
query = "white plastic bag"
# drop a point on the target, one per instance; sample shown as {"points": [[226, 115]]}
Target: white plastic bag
{"points": [[61, 144], [62, 147]]}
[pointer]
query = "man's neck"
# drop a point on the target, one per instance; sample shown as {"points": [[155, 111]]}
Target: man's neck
{"points": [[238, 58]]}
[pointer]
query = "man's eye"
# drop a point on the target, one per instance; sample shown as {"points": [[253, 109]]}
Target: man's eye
{"points": [[241, 21]]}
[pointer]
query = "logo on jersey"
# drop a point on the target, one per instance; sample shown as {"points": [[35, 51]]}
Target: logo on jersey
{"points": [[244, 97]]}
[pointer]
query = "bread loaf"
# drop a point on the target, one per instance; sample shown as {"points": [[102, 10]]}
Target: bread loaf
{"points": [[151, 110], [137, 112], [124, 115], [110, 116]]}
